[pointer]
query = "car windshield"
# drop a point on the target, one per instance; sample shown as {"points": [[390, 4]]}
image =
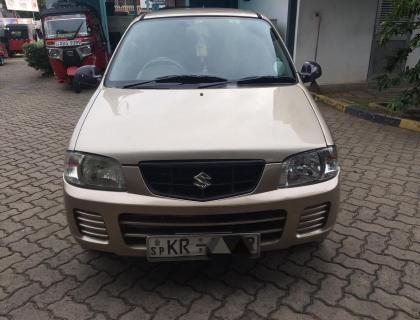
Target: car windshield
{"points": [[65, 26], [205, 49]]}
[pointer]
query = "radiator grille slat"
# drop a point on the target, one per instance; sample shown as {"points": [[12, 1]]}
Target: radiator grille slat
{"points": [[89, 221], [97, 229], [148, 224], [313, 218], [307, 223], [136, 227], [314, 215], [311, 228], [90, 216], [94, 234]]}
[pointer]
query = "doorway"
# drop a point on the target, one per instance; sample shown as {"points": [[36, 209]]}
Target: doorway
{"points": [[214, 3]]}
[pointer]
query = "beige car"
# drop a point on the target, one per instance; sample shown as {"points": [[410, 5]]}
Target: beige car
{"points": [[200, 140]]}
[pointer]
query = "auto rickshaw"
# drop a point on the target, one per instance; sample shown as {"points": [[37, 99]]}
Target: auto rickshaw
{"points": [[3, 51], [17, 35], [2, 54], [73, 37]]}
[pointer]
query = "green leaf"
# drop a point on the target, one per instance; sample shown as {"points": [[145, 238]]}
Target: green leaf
{"points": [[37, 57], [407, 13]]}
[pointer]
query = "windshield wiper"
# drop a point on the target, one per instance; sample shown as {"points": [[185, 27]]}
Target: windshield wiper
{"points": [[77, 31], [266, 79], [182, 79], [253, 80]]}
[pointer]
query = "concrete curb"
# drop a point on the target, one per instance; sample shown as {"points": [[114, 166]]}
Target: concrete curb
{"points": [[356, 110]]}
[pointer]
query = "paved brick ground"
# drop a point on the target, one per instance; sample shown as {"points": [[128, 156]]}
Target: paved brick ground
{"points": [[368, 267]]}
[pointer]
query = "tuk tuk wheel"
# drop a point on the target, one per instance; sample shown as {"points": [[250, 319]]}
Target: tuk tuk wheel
{"points": [[1, 60], [76, 86]]}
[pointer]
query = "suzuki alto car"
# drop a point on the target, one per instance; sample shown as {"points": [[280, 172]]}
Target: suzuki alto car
{"points": [[200, 140]]}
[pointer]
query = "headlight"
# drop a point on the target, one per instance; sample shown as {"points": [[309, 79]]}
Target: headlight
{"points": [[85, 50], [309, 167], [55, 53], [93, 171]]}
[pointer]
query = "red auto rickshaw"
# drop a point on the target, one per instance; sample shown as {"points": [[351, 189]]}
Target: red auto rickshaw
{"points": [[2, 54], [73, 37], [17, 35]]}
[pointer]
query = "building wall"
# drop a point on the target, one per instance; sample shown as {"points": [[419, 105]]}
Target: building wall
{"points": [[345, 38], [273, 9], [414, 57]]}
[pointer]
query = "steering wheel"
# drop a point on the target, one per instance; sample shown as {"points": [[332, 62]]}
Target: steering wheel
{"points": [[165, 64]]}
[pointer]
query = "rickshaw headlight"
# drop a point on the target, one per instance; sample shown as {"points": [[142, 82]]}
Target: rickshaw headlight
{"points": [[55, 53], [85, 50]]}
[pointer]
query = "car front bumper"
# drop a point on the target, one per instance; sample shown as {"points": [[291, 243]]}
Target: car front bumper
{"points": [[109, 206]]}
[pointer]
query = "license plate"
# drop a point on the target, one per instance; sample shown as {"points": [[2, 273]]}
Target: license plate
{"points": [[201, 246], [67, 43]]}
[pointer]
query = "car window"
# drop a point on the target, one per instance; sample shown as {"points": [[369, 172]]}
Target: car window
{"points": [[226, 47]]}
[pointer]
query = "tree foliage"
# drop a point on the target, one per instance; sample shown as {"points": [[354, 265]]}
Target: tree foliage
{"points": [[37, 57], [41, 4], [404, 20]]}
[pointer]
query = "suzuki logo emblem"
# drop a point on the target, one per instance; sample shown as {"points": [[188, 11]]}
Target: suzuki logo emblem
{"points": [[202, 180]]}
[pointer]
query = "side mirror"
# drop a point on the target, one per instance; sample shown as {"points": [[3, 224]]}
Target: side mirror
{"points": [[86, 76], [310, 71]]}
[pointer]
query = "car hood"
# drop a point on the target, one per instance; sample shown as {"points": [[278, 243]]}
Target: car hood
{"points": [[133, 125]]}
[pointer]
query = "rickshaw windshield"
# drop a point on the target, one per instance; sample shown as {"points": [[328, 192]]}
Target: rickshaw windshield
{"points": [[19, 32], [65, 26]]}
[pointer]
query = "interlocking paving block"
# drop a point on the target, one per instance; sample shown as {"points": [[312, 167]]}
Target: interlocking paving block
{"points": [[368, 266]]}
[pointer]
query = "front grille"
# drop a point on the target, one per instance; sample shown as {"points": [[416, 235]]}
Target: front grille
{"points": [[179, 179], [313, 218], [71, 58], [136, 227], [91, 225]]}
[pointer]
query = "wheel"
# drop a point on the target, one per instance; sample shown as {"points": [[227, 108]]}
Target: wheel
{"points": [[1, 60], [76, 86]]}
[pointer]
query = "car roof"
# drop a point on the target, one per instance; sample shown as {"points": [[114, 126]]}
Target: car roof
{"points": [[198, 12]]}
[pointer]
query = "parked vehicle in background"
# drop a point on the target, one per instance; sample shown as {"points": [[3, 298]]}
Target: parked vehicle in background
{"points": [[17, 35], [2, 54], [3, 50], [73, 37], [201, 140]]}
